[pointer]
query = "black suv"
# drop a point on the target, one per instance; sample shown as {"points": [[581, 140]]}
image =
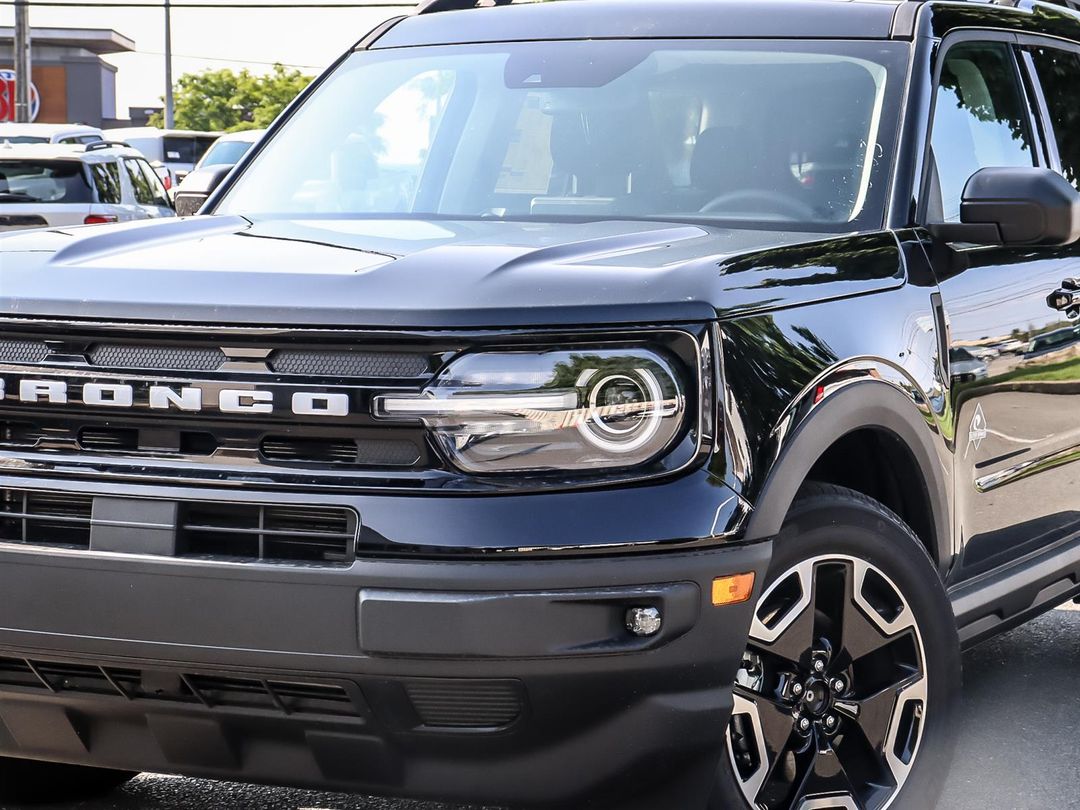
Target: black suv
{"points": [[556, 409]]}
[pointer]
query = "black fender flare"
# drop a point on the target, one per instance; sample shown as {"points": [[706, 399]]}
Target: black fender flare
{"points": [[860, 405]]}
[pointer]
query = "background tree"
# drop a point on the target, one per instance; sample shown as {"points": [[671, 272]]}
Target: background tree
{"points": [[224, 100]]}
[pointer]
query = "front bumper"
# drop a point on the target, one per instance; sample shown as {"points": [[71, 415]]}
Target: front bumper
{"points": [[508, 680]]}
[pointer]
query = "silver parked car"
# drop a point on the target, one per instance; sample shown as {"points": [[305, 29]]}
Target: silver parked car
{"points": [[46, 185]]}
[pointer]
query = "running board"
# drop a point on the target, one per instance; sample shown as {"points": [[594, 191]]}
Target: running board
{"points": [[1008, 597]]}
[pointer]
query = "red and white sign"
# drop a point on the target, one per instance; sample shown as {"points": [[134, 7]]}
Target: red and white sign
{"points": [[7, 97]]}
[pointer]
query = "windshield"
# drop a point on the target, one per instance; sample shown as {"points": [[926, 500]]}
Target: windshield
{"points": [[768, 132], [43, 181], [225, 153]]}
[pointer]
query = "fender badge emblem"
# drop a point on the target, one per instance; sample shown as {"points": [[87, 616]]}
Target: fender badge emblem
{"points": [[979, 428]]}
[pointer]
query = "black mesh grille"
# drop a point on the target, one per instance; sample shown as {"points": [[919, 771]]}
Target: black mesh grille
{"points": [[363, 452], [55, 519], [382, 365], [450, 703], [318, 535], [23, 351], [174, 358]]}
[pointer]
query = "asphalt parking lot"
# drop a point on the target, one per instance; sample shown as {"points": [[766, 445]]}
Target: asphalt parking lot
{"points": [[1017, 740]]}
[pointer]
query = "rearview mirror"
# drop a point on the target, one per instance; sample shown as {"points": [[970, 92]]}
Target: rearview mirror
{"points": [[194, 190], [1015, 206]]}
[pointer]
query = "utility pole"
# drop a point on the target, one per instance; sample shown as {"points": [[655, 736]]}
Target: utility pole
{"points": [[22, 61], [169, 123]]}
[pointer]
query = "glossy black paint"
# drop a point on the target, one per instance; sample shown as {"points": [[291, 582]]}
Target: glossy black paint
{"points": [[821, 358]]}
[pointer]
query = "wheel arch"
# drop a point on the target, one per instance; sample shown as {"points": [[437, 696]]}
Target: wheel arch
{"points": [[850, 417]]}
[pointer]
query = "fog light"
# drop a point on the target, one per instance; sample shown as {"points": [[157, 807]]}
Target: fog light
{"points": [[644, 621]]}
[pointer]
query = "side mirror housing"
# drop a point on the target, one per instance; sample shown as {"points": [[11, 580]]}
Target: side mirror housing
{"points": [[1015, 207], [194, 190]]}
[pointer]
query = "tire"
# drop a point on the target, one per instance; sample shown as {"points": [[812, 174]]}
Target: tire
{"points": [[29, 782], [871, 722]]}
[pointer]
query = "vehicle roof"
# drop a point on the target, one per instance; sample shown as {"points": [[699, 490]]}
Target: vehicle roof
{"points": [[45, 130], [246, 136], [734, 19], [56, 151], [153, 132], [586, 19]]}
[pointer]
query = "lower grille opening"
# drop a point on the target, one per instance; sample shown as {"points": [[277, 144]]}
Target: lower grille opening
{"points": [[213, 691], [55, 519], [449, 703], [322, 535]]}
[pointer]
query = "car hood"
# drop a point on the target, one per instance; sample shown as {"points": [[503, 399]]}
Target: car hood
{"points": [[403, 273]]}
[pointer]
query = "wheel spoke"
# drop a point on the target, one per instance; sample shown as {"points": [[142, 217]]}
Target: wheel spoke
{"points": [[825, 783], [784, 623], [773, 727], [863, 630]]}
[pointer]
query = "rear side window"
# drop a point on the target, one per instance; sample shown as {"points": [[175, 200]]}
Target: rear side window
{"points": [[44, 181], [980, 119], [144, 192], [1059, 75], [107, 182]]}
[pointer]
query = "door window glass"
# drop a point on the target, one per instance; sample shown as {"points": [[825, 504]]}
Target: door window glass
{"points": [[107, 182], [1059, 75], [144, 192], [980, 119], [160, 196]]}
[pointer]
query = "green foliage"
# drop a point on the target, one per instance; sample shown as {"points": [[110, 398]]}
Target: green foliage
{"points": [[224, 100]]}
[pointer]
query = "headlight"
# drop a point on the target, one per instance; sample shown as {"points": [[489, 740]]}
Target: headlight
{"points": [[594, 409]]}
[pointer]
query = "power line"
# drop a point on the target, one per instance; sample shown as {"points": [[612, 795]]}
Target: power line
{"points": [[227, 60]]}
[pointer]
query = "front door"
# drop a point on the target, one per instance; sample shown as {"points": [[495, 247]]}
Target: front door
{"points": [[1015, 361]]}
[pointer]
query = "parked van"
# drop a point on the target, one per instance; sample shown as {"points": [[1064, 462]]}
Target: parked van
{"points": [[177, 149]]}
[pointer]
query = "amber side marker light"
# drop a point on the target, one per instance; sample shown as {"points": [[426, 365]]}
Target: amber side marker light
{"points": [[732, 590]]}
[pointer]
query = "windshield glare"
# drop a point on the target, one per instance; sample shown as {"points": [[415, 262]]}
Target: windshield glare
{"points": [[768, 133]]}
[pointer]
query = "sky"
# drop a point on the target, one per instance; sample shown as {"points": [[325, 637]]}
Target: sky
{"points": [[214, 38]]}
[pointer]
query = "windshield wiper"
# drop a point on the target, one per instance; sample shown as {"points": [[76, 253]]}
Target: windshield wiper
{"points": [[16, 197]]}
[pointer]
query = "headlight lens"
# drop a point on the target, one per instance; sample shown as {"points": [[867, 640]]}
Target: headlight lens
{"points": [[594, 409]]}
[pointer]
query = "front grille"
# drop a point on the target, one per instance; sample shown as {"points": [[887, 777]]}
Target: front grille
{"points": [[230, 532], [307, 534], [363, 452], [299, 441], [378, 365], [276, 695], [149, 441], [51, 519], [23, 351], [449, 703], [153, 358]]}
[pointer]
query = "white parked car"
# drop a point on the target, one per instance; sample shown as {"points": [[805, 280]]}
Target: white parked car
{"points": [[230, 147], [69, 134], [46, 185], [177, 149]]}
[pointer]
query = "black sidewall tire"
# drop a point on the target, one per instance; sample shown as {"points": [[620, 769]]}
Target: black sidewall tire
{"points": [[831, 520]]}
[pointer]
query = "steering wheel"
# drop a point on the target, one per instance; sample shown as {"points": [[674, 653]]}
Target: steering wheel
{"points": [[776, 203]]}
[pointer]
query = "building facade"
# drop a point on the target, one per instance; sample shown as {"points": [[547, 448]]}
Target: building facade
{"points": [[73, 83]]}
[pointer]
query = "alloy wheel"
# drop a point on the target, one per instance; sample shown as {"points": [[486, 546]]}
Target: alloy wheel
{"points": [[830, 700]]}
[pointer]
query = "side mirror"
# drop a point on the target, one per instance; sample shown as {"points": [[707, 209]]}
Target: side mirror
{"points": [[1015, 206], [194, 190]]}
